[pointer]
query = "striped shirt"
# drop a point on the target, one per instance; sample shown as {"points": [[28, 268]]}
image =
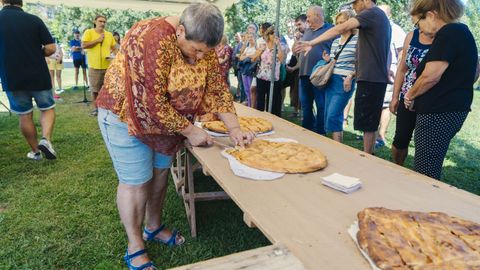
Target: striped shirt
{"points": [[346, 60]]}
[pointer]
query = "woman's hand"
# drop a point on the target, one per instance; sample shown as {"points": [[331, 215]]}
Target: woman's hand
{"points": [[347, 83], [197, 136], [394, 105], [240, 137], [408, 102], [326, 56]]}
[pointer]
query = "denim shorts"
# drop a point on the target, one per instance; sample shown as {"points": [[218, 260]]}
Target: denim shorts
{"points": [[21, 101], [132, 159], [336, 99]]}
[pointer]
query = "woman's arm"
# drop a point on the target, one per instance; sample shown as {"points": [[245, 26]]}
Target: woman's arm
{"points": [[400, 75], [280, 53], [431, 75]]}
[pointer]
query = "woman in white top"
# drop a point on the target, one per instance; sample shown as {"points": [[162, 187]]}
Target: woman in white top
{"points": [[247, 77]]}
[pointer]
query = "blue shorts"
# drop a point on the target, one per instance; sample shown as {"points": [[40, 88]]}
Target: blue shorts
{"points": [[336, 99], [21, 101], [132, 159]]}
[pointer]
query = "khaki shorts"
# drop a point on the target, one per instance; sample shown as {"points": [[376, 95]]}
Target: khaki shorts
{"points": [[54, 65], [96, 77]]}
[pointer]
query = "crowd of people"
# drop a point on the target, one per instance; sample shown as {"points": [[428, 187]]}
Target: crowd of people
{"points": [[149, 88], [376, 63]]}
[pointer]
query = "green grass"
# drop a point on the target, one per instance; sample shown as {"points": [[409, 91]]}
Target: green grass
{"points": [[62, 214]]}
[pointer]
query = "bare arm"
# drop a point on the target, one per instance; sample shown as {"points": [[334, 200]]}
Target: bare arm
{"points": [[243, 56], [49, 49], [337, 30], [430, 77], [401, 68], [90, 44], [280, 53]]}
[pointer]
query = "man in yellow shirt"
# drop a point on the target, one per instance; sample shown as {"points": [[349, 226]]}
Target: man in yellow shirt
{"points": [[99, 44]]}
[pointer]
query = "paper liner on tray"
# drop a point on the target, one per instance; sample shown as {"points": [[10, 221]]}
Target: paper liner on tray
{"points": [[352, 231], [217, 134], [245, 171]]}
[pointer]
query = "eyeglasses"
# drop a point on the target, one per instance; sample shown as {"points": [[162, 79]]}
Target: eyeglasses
{"points": [[418, 21]]}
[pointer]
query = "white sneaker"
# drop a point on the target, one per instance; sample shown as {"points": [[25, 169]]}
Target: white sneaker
{"points": [[46, 147], [59, 91], [34, 156]]}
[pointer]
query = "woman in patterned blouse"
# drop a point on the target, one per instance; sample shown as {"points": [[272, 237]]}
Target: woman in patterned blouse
{"points": [[164, 76]]}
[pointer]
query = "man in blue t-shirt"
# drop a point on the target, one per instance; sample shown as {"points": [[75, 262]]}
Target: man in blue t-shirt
{"points": [[308, 92], [78, 56]]}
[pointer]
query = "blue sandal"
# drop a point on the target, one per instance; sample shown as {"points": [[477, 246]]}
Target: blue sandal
{"points": [[129, 257], [150, 236]]}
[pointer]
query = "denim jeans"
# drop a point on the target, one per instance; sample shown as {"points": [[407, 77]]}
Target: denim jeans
{"points": [[336, 99], [308, 94], [132, 159]]}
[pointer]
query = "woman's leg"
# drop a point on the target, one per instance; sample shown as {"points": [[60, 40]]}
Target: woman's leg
{"points": [[247, 81], [261, 93], [253, 92], [404, 128], [155, 205], [433, 133], [336, 99], [133, 162], [52, 78], [131, 202], [277, 99], [59, 78]]}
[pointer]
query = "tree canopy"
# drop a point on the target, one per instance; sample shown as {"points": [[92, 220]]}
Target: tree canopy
{"points": [[240, 14], [63, 20]]}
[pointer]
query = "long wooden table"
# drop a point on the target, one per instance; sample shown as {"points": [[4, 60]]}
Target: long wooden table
{"points": [[310, 219]]}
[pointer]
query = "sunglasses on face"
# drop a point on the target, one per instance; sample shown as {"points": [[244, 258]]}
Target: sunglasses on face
{"points": [[418, 21]]}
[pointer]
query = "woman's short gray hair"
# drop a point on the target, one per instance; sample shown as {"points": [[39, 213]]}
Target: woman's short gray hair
{"points": [[203, 22]]}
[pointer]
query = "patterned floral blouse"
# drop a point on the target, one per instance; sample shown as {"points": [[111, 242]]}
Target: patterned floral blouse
{"points": [[415, 54], [156, 92], [223, 51], [266, 64]]}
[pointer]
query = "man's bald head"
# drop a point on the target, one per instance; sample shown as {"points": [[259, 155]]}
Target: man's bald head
{"points": [[315, 17]]}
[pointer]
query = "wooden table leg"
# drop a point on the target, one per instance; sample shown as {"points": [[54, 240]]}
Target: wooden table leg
{"points": [[190, 189], [182, 171]]}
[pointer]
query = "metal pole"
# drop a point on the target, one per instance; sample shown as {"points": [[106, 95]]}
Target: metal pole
{"points": [[274, 64]]}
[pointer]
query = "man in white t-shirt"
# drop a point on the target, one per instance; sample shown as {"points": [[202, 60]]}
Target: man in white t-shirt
{"points": [[396, 46]]}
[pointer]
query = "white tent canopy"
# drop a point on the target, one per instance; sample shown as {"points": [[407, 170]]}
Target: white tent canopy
{"points": [[166, 6]]}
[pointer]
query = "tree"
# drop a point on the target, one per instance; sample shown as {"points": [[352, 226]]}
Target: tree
{"points": [[472, 18], [246, 11], [62, 20]]}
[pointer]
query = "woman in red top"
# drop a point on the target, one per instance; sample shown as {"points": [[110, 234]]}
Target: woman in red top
{"points": [[224, 54], [164, 76]]}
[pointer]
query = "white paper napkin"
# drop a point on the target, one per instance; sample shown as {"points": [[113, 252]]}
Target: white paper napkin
{"points": [[245, 171], [342, 183], [216, 134]]}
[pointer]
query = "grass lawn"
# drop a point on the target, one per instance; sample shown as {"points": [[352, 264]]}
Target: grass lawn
{"points": [[62, 214]]}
